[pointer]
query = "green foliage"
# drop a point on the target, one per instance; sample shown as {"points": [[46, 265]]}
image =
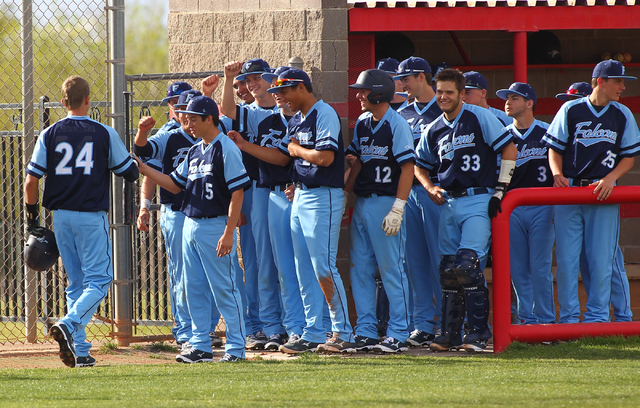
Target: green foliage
{"points": [[162, 346], [147, 44], [109, 347]]}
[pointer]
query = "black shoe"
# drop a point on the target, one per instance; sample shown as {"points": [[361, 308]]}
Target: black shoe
{"points": [[215, 340], [61, 334], [228, 358], [337, 345], [256, 341], [194, 356], [298, 346], [442, 343], [390, 345], [275, 341], [477, 346], [87, 361], [364, 343], [420, 338]]}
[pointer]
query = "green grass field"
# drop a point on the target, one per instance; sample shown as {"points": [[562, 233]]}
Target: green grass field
{"points": [[602, 372]]}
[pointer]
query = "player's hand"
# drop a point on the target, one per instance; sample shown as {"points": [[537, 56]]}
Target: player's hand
{"points": [[237, 138], [143, 220], [224, 244], [560, 181], [393, 221], [350, 159], [242, 220], [33, 217], [146, 123], [232, 69], [293, 147], [494, 202], [209, 85], [290, 192], [603, 188], [141, 166], [435, 194]]}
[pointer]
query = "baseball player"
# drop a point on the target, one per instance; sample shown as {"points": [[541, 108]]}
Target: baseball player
{"points": [[461, 147], [531, 227], [423, 253], [593, 143], [214, 178], [382, 180], [314, 142], [76, 154], [475, 93], [173, 92], [620, 297]]}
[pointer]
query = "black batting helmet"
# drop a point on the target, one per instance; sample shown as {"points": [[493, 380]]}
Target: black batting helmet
{"points": [[382, 85], [41, 250]]}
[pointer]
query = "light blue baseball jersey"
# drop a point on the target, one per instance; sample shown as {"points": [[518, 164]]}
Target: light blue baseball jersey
{"points": [[319, 130], [209, 174], [170, 125], [76, 154], [592, 142], [382, 148], [464, 152], [532, 162], [501, 115]]}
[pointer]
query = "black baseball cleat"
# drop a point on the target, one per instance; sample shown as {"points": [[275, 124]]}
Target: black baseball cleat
{"points": [[440, 344], [390, 345], [364, 343], [477, 346], [337, 345], [420, 338], [299, 346], [194, 356], [256, 341], [215, 340], [275, 341], [87, 361], [61, 334], [228, 358]]}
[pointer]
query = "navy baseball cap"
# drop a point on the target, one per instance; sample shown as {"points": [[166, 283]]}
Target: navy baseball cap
{"points": [[271, 76], [439, 67], [201, 105], [175, 89], [518, 88], [290, 77], [412, 66], [389, 65], [185, 97], [254, 66], [575, 91], [475, 80], [610, 69]]}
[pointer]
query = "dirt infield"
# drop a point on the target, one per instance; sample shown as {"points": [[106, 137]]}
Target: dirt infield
{"points": [[46, 355]]}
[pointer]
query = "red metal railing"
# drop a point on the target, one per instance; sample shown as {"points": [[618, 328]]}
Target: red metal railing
{"points": [[504, 333]]}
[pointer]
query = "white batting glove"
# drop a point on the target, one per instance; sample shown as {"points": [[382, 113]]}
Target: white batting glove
{"points": [[392, 222]]}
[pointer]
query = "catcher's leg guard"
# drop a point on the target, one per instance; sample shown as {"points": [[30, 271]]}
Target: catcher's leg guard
{"points": [[470, 276], [452, 307]]}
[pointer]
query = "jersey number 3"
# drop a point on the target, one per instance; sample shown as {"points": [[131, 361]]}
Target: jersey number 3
{"points": [[84, 159]]}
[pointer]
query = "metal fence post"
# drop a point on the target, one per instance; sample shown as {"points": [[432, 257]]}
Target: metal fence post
{"points": [[122, 231]]}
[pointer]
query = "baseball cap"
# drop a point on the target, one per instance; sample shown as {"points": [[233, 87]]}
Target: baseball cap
{"points": [[290, 77], [518, 88], [389, 65], [176, 89], [610, 69], [201, 105], [475, 80], [185, 97], [576, 90], [412, 66], [439, 67], [271, 76], [253, 66]]}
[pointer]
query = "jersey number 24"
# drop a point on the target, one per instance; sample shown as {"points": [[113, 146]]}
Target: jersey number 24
{"points": [[84, 160]]}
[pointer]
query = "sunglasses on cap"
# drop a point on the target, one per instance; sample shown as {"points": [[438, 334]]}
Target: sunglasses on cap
{"points": [[284, 81]]}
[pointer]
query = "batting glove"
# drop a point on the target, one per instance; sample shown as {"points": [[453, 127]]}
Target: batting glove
{"points": [[494, 202], [392, 222], [33, 217]]}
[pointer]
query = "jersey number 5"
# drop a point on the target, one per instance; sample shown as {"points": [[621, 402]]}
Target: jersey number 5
{"points": [[84, 159]]}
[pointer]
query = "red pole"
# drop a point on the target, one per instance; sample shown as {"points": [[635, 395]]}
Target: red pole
{"points": [[520, 56], [503, 332]]}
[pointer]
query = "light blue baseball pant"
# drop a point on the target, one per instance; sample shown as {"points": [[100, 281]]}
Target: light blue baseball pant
{"points": [[598, 226], [282, 246], [207, 273], [370, 245], [85, 247], [465, 224], [531, 239], [620, 297], [316, 215], [268, 288], [250, 262], [422, 259]]}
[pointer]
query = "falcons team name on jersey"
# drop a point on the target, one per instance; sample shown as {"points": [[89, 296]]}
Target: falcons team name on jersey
{"points": [[272, 139], [447, 148], [587, 137], [533, 153], [180, 156], [368, 152], [198, 170]]}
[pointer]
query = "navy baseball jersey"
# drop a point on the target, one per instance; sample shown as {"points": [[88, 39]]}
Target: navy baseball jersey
{"points": [[76, 154], [592, 142], [501, 115], [464, 152], [319, 130], [532, 164], [382, 148], [209, 174], [270, 133], [246, 123], [419, 115]]}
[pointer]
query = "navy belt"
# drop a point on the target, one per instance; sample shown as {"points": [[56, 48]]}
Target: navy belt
{"points": [[282, 187], [466, 192], [206, 218], [303, 186], [374, 195], [582, 182]]}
